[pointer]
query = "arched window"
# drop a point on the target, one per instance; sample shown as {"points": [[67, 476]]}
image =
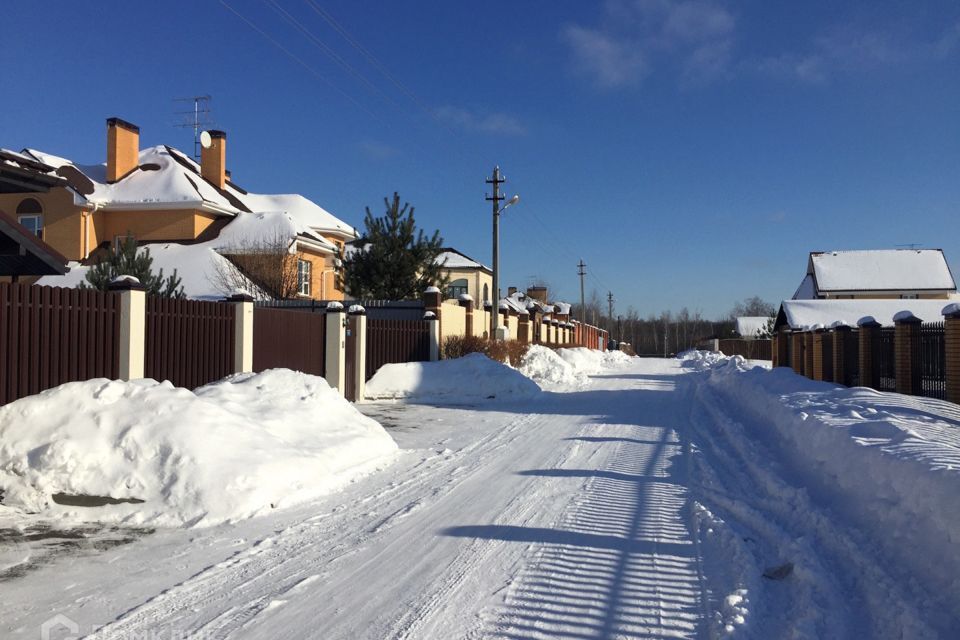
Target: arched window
{"points": [[457, 288], [486, 293], [30, 215]]}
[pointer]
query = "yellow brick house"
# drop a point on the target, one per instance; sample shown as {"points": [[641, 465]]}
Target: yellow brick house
{"points": [[192, 216]]}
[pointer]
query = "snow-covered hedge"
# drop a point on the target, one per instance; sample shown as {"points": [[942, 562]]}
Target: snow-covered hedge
{"points": [[230, 450]]}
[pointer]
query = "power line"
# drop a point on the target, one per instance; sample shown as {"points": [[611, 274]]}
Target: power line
{"points": [[372, 59], [330, 53], [299, 61]]}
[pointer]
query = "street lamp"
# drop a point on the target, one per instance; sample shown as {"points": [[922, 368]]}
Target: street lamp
{"points": [[496, 331]]}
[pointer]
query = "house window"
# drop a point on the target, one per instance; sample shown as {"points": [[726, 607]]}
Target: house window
{"points": [[30, 215], [909, 296], [486, 293], [457, 288], [303, 277]]}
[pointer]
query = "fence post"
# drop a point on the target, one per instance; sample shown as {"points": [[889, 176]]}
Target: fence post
{"points": [[434, 324], [840, 336], [869, 333], [358, 326], [336, 362], [523, 327], [808, 353], [132, 344], [905, 356], [951, 339], [467, 303], [242, 332]]}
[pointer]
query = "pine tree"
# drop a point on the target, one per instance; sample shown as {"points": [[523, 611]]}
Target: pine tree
{"points": [[396, 261], [128, 261]]}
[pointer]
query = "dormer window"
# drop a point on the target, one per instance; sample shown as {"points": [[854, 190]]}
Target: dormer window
{"points": [[30, 215]]}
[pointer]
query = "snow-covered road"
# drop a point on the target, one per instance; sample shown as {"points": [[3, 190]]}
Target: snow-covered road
{"points": [[633, 508]]}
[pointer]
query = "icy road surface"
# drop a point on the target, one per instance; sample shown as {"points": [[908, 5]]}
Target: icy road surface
{"points": [[633, 508]]}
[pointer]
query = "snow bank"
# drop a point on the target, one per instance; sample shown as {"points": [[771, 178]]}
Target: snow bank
{"points": [[549, 370], [472, 378], [232, 449], [591, 361], [889, 462]]}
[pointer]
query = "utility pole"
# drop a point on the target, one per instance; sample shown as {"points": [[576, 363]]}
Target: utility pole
{"points": [[197, 119], [610, 311], [495, 181], [582, 271]]}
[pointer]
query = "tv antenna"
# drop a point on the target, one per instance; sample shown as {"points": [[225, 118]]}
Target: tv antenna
{"points": [[198, 118]]}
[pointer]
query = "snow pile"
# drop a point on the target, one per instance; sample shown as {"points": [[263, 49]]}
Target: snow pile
{"points": [[704, 360], [591, 361], [549, 370], [231, 450], [890, 463], [472, 378]]}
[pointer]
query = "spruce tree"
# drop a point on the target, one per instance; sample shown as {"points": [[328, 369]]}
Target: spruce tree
{"points": [[129, 261], [396, 261]]}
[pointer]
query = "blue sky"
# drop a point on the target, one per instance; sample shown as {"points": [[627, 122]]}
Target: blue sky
{"points": [[692, 153]]}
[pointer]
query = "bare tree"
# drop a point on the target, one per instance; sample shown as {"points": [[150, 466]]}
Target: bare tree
{"points": [[264, 262]]}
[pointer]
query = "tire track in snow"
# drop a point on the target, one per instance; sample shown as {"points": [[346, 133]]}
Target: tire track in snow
{"points": [[273, 566]]}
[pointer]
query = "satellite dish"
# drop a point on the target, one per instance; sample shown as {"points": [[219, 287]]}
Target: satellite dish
{"points": [[205, 139]]}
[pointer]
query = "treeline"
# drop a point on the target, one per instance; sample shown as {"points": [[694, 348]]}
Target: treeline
{"points": [[668, 333]]}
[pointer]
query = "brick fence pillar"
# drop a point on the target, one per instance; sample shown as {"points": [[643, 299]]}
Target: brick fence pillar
{"points": [[906, 339], [808, 354], [434, 323], [357, 320], [523, 327], [951, 324], [336, 361], [243, 332], [796, 360], [132, 341], [816, 372], [433, 302], [840, 337], [869, 335], [467, 303]]}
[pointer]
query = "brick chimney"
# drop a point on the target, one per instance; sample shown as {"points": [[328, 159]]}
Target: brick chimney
{"points": [[213, 159], [123, 148]]}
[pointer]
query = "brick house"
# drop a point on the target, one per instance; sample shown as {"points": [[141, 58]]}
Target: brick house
{"points": [[877, 274], [192, 216]]}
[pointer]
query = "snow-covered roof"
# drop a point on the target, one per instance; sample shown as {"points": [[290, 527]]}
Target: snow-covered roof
{"points": [[453, 259], [166, 177], [751, 326], [880, 270], [804, 314]]}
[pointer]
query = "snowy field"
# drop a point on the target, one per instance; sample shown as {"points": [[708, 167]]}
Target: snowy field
{"points": [[617, 498]]}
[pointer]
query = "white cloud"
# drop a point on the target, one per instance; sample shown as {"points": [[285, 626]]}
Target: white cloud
{"points": [[847, 49], [498, 123], [634, 35]]}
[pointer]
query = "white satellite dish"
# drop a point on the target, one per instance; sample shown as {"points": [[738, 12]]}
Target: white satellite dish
{"points": [[205, 139]]}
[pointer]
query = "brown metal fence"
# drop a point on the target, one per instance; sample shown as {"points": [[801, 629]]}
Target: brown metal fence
{"points": [[50, 335], [189, 342], [391, 341], [929, 345], [884, 360], [750, 349], [290, 339]]}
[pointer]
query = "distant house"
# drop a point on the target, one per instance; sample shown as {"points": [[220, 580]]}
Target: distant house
{"points": [[466, 276], [193, 217], [877, 274]]}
